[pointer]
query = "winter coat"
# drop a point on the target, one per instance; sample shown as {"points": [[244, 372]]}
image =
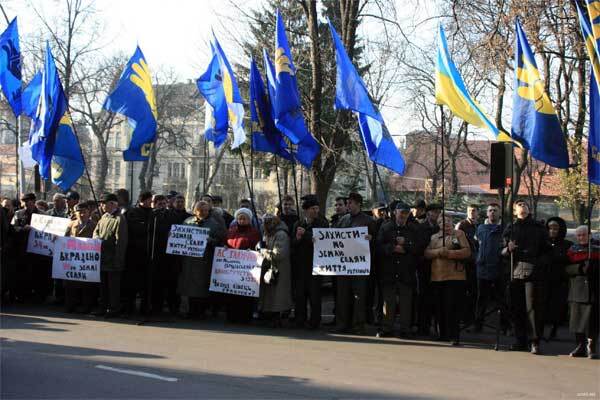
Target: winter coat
{"points": [[86, 230], [194, 279], [242, 237], [531, 239], [583, 286], [398, 267], [489, 249], [303, 249], [451, 267], [138, 219], [277, 297], [557, 259], [112, 229]]}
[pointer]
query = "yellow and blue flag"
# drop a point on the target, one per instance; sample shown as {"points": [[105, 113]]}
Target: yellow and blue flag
{"points": [[534, 121], [52, 105], [590, 35], [307, 148], [134, 98], [235, 104], [351, 94], [67, 160], [450, 90], [287, 106], [10, 66], [265, 136], [210, 86]]}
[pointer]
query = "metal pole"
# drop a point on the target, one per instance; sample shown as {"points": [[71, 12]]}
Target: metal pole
{"points": [[131, 183], [512, 205], [205, 165], [18, 168], [296, 188], [443, 120], [277, 176], [249, 188], [385, 196], [251, 167]]}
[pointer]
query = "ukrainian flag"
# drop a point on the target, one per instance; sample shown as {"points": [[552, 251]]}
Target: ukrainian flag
{"points": [[451, 91]]}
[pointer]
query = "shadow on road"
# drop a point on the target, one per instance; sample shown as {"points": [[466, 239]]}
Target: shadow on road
{"points": [[29, 322]]}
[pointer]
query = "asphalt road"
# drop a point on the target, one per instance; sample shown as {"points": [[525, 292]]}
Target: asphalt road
{"points": [[48, 354]]}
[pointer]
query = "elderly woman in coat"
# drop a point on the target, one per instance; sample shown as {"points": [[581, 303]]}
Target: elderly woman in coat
{"points": [[194, 279], [275, 293]]}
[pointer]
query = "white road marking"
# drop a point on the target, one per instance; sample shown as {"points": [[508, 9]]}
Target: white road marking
{"points": [[137, 373]]}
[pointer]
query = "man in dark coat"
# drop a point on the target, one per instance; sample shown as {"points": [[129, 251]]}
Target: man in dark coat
{"points": [[584, 293], [307, 286], [135, 274], [399, 245], [374, 292], [340, 209], [526, 243], [287, 213], [469, 226], [352, 290]]}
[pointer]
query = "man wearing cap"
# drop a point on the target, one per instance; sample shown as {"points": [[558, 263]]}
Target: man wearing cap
{"points": [[171, 199], [380, 215], [30, 267], [419, 211], [352, 290], [112, 230], [72, 200], [60, 206], [399, 245], [307, 286], [526, 243], [218, 203], [80, 296]]}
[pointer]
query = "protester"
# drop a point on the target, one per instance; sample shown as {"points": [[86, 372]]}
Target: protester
{"points": [[112, 230], [275, 299], [584, 293], [7, 253], [307, 287], [72, 200], [556, 278], [447, 251], [352, 290], [123, 199], [179, 212], [194, 279], [488, 264], [81, 296], [213, 212], [374, 299], [241, 236], [526, 244], [398, 244], [469, 227], [135, 272], [218, 203], [287, 213], [419, 211], [171, 196], [42, 206], [340, 210]]}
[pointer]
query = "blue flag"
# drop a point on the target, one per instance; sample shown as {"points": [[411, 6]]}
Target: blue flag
{"points": [[67, 161], [235, 104], [210, 86], [351, 94], [134, 98], [287, 107], [51, 108], [265, 137], [307, 148], [10, 66], [534, 121], [31, 95]]}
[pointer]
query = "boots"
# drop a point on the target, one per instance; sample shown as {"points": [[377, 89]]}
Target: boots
{"points": [[592, 352], [580, 350]]}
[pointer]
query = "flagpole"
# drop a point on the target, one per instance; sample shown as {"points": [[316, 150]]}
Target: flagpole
{"points": [[443, 120], [205, 165], [385, 196], [295, 187], [131, 183], [249, 188], [18, 169], [277, 176], [85, 166], [252, 167]]}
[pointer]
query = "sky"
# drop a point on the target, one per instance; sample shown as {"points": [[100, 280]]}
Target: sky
{"points": [[175, 34]]}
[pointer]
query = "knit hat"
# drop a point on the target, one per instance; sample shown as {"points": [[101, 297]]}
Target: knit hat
{"points": [[243, 211]]}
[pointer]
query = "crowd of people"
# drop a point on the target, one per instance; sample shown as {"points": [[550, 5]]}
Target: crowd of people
{"points": [[430, 278]]}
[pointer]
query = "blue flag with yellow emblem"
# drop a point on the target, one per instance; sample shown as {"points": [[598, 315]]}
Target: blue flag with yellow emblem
{"points": [[51, 107], [534, 121], [134, 98], [31, 95], [235, 104], [67, 160], [308, 148], [265, 137], [351, 94], [210, 86], [10, 66], [591, 44]]}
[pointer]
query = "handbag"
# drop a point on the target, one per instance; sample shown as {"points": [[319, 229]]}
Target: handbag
{"points": [[271, 273]]}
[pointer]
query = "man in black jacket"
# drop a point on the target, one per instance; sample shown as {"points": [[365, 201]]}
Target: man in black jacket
{"points": [[399, 244], [307, 286], [526, 244], [135, 274]]}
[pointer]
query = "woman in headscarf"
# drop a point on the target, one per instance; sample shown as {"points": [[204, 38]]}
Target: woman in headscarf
{"points": [[194, 279], [276, 277], [241, 236], [557, 286]]}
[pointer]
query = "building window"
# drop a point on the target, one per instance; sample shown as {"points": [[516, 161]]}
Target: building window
{"points": [[117, 140], [117, 168]]}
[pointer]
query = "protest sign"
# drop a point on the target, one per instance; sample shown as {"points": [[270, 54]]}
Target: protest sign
{"points": [[236, 272], [187, 240], [77, 259], [43, 233], [341, 251]]}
